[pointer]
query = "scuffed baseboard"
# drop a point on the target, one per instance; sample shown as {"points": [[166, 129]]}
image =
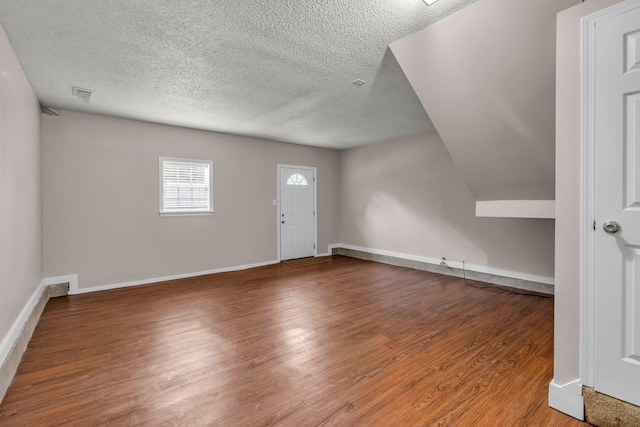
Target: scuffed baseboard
{"points": [[15, 344], [506, 278], [75, 289]]}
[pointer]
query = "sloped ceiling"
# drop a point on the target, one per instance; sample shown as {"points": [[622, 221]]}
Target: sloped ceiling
{"points": [[276, 69], [486, 77]]}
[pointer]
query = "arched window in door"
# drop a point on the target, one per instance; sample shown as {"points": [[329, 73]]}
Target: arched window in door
{"points": [[297, 179]]}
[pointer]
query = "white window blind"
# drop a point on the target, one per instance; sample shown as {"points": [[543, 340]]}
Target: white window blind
{"points": [[185, 186]]}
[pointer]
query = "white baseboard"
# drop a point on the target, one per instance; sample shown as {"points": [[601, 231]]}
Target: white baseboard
{"points": [[452, 264], [15, 342], [567, 398], [75, 289], [18, 325]]}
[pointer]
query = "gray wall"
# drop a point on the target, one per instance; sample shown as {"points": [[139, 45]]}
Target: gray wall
{"points": [[20, 189], [101, 203], [407, 196], [101, 216]]}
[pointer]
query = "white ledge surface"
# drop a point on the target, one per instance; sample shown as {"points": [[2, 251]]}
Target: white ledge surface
{"points": [[545, 209]]}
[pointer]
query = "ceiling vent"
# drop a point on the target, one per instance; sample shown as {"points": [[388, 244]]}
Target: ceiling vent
{"points": [[83, 95]]}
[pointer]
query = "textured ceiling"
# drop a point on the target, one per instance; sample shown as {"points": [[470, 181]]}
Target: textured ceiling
{"points": [[276, 69]]}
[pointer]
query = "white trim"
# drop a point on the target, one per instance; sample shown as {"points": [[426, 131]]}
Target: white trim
{"points": [[315, 205], [454, 264], [76, 290], [567, 398], [186, 213], [278, 215], [161, 210], [587, 219], [587, 245], [14, 333]]}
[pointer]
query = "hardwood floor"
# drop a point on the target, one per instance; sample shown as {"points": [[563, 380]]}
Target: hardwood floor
{"points": [[347, 342]]}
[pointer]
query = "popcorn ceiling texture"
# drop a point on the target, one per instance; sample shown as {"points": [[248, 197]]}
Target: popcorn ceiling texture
{"points": [[276, 69]]}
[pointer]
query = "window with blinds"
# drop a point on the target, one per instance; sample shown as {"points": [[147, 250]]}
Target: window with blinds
{"points": [[185, 186]]}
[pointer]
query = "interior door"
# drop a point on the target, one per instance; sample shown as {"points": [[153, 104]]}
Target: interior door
{"points": [[297, 212], [617, 206]]}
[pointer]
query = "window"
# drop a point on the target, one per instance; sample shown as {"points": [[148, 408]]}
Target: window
{"points": [[185, 186], [297, 179]]}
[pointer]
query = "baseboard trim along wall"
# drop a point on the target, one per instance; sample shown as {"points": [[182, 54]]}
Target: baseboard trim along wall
{"points": [[15, 344], [496, 276], [75, 289], [567, 398]]}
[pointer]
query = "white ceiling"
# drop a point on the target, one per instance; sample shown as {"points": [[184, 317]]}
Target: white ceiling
{"points": [[275, 69]]}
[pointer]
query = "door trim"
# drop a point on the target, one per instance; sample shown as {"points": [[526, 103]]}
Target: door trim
{"points": [[315, 205], [587, 217]]}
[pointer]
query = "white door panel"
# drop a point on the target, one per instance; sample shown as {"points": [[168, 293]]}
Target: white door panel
{"points": [[297, 212], [617, 199]]}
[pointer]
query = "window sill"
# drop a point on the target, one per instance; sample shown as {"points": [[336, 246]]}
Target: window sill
{"points": [[186, 213]]}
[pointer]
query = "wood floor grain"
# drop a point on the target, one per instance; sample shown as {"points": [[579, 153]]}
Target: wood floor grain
{"points": [[345, 343]]}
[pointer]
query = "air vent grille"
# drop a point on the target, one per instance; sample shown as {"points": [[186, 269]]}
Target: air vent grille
{"points": [[83, 95]]}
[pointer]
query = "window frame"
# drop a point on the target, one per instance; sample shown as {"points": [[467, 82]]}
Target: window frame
{"points": [[302, 183], [190, 212]]}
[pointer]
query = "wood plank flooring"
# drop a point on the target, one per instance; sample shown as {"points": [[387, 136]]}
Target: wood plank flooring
{"points": [[346, 343]]}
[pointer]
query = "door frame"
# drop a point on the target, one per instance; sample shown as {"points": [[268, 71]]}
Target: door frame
{"points": [[588, 183], [315, 205]]}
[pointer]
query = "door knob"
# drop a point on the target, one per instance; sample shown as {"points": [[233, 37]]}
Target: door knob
{"points": [[283, 221], [611, 227]]}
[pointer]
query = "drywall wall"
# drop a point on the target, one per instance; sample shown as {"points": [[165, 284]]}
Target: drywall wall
{"points": [[101, 194], [487, 83], [20, 190], [568, 179], [406, 195]]}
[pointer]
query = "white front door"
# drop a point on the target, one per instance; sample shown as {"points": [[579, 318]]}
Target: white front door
{"points": [[617, 205], [297, 212]]}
